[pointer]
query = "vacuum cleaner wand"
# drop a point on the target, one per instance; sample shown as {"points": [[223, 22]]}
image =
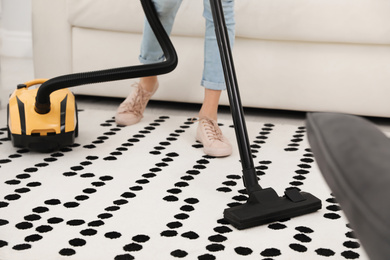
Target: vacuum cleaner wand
{"points": [[263, 205], [42, 104]]}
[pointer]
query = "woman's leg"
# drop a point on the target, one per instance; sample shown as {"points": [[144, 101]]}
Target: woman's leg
{"points": [[131, 110], [151, 51], [213, 78], [208, 132]]}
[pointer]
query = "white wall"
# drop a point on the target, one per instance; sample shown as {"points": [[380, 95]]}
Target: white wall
{"points": [[16, 28]]}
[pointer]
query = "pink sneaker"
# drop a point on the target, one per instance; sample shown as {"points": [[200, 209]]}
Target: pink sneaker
{"points": [[210, 135], [131, 110]]}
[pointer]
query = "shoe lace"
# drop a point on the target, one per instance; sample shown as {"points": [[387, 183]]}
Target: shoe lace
{"points": [[137, 102], [212, 129]]}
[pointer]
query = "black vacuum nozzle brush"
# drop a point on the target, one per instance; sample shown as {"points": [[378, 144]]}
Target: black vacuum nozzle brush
{"points": [[263, 205]]}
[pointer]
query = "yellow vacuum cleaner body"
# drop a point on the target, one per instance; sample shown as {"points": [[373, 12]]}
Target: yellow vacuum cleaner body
{"points": [[41, 132]]}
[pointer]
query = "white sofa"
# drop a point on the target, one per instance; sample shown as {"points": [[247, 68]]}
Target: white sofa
{"points": [[306, 55]]}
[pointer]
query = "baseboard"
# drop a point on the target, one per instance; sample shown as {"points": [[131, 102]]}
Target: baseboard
{"points": [[16, 44]]}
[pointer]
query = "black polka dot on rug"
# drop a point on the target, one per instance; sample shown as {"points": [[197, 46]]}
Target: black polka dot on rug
{"points": [[217, 238], [3, 243], [12, 182], [98, 184], [129, 195], [179, 253], [271, 252], [88, 232], [40, 210], [33, 184], [113, 235], [89, 146], [333, 208], [132, 247], [222, 229], [141, 238], [145, 181], [224, 189], [41, 164], [77, 242], [55, 220], [3, 222], [332, 216], [120, 202], [302, 238], [303, 229], [81, 197], [206, 257], [298, 247], [174, 224], [240, 198], [23, 176], [124, 257], [87, 175], [277, 226], [105, 216], [243, 250], [33, 238], [168, 233], [187, 208], [12, 197], [44, 229], [149, 175], [32, 217], [350, 255], [351, 244], [325, 252], [86, 163], [89, 191], [112, 208], [110, 158], [181, 216], [77, 168], [3, 204], [69, 174], [229, 183], [24, 225], [67, 252], [21, 247], [193, 172], [187, 178], [75, 222], [96, 223], [215, 247], [190, 235], [171, 198], [4, 161], [71, 204], [174, 191], [50, 159], [31, 169]]}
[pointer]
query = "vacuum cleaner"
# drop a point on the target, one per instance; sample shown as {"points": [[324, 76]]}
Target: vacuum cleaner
{"points": [[263, 205], [45, 119]]}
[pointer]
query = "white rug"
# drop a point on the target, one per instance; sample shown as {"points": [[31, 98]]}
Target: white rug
{"points": [[148, 192]]}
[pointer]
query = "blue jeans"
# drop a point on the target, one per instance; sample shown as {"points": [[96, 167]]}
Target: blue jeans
{"points": [[213, 77]]}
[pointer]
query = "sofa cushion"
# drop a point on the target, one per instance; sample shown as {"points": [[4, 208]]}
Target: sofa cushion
{"points": [[341, 21]]}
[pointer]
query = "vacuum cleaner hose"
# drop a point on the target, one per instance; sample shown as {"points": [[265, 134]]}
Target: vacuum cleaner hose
{"points": [[42, 104]]}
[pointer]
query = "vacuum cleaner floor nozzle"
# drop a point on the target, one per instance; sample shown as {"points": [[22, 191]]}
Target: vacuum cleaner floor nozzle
{"points": [[265, 206]]}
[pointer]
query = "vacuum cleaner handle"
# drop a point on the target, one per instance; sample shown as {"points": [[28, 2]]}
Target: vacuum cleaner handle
{"points": [[249, 172], [42, 104]]}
